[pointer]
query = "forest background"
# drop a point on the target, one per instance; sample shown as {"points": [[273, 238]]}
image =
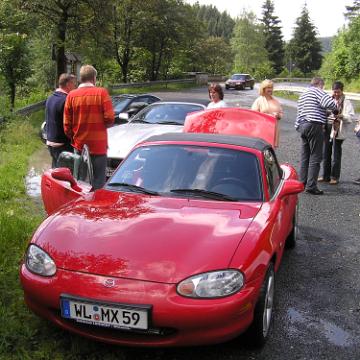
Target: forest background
{"points": [[132, 40]]}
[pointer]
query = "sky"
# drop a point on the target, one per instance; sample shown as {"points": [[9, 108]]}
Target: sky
{"points": [[326, 15]]}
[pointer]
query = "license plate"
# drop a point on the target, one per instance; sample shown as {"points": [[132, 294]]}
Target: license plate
{"points": [[107, 315]]}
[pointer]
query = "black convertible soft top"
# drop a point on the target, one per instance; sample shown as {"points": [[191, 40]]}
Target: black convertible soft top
{"points": [[254, 143]]}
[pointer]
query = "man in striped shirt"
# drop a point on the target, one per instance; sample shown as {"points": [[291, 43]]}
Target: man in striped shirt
{"points": [[88, 113], [310, 122]]}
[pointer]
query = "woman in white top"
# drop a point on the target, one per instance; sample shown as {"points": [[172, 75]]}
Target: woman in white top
{"points": [[267, 104], [216, 96]]}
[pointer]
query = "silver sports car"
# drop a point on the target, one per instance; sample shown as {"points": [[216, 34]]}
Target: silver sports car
{"points": [[155, 119]]}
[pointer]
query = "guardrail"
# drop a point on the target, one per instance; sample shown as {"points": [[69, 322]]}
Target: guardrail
{"points": [[150, 83], [27, 110], [41, 104], [31, 108], [307, 80]]}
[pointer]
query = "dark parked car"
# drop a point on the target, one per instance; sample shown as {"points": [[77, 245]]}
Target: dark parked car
{"points": [[240, 82], [127, 105]]}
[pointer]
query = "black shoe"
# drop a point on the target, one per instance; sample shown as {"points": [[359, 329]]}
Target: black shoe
{"points": [[314, 191], [357, 181]]}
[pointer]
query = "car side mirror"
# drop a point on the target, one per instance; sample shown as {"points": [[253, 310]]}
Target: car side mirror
{"points": [[64, 174], [124, 116], [291, 187]]}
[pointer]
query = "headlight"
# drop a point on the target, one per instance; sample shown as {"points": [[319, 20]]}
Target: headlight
{"points": [[212, 284], [39, 262]]}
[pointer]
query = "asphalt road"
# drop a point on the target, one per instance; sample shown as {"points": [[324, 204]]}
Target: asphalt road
{"points": [[317, 308]]}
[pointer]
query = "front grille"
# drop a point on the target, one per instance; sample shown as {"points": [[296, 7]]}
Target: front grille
{"points": [[116, 333]]}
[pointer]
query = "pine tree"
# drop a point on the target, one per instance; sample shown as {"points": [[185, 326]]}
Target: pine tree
{"points": [[305, 46], [353, 11], [217, 24], [273, 37]]}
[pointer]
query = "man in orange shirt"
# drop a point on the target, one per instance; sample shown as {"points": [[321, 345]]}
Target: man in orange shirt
{"points": [[88, 113]]}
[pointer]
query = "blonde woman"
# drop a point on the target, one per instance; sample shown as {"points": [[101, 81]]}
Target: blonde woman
{"points": [[267, 104]]}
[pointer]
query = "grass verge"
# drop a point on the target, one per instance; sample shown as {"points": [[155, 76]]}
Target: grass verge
{"points": [[22, 334], [18, 219], [286, 95]]}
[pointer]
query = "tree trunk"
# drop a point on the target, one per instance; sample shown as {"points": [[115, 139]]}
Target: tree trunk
{"points": [[124, 68], [159, 60], [153, 62], [61, 37], [12, 95]]}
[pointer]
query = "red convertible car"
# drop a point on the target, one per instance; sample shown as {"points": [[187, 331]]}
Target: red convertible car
{"points": [[180, 247]]}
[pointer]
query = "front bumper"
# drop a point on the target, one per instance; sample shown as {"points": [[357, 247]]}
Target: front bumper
{"points": [[175, 320], [234, 85]]}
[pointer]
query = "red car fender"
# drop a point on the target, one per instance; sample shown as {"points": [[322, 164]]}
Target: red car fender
{"points": [[255, 250], [260, 245]]}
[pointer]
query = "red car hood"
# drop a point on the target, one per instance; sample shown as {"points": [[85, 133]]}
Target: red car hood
{"points": [[143, 237]]}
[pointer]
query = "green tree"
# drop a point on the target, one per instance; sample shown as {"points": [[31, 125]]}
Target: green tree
{"points": [[216, 55], [273, 37], [305, 48], [248, 44], [352, 43], [189, 55], [57, 16], [217, 24], [335, 63], [343, 62], [126, 20], [165, 31], [14, 54], [353, 10]]}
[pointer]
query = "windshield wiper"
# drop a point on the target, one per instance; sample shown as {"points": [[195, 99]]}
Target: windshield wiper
{"points": [[133, 187], [139, 121], [169, 122], [205, 193]]}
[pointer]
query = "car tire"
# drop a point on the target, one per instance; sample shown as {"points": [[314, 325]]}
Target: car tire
{"points": [[252, 87], [226, 87], [258, 332], [292, 237]]}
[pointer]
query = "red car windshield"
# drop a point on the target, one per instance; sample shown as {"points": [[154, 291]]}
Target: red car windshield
{"points": [[191, 171]]}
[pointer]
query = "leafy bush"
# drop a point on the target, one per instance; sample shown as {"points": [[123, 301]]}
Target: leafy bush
{"points": [[264, 71], [284, 73]]}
